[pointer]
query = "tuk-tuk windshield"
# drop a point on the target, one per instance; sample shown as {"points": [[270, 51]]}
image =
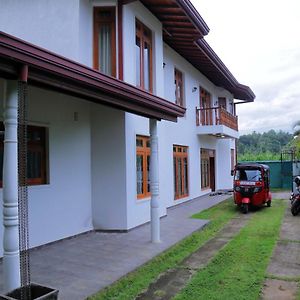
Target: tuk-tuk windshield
{"points": [[248, 175]]}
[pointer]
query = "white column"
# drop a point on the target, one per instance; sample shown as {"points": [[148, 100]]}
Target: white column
{"points": [[11, 258], [154, 183]]}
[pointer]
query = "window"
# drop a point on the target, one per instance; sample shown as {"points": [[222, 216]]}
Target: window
{"points": [[36, 155], [105, 40], [180, 162], [178, 88], [205, 169], [143, 46], [142, 166], [222, 102], [206, 117]]}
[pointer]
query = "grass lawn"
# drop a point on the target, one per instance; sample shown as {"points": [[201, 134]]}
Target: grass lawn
{"points": [[238, 270], [134, 283]]}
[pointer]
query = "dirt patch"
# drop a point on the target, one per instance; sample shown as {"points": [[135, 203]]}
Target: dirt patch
{"points": [[279, 290]]}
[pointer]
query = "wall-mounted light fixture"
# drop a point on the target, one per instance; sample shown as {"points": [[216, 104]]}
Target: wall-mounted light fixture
{"points": [[194, 89], [164, 64]]}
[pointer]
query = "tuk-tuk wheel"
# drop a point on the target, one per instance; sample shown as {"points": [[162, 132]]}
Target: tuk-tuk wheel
{"points": [[245, 208], [269, 203]]}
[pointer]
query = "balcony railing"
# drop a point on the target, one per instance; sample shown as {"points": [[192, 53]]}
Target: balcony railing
{"points": [[216, 116]]}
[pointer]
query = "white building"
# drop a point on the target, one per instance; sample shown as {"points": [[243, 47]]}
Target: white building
{"points": [[97, 72]]}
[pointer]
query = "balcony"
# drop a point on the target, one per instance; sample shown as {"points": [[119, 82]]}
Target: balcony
{"points": [[216, 121]]}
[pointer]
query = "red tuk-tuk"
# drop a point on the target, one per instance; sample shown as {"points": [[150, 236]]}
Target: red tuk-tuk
{"points": [[251, 185]]}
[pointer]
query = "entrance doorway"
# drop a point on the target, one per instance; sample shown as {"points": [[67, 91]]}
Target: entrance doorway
{"points": [[212, 173], [208, 178]]}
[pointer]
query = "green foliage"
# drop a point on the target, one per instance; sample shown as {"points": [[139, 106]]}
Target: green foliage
{"points": [[238, 270], [134, 283], [262, 146]]}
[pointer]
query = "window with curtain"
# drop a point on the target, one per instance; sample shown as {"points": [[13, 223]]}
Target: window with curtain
{"points": [[180, 165], [36, 154], [143, 53], [105, 40], [178, 87], [142, 166]]}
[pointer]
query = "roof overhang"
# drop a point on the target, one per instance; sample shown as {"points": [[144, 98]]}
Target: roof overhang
{"points": [[52, 71], [184, 31]]}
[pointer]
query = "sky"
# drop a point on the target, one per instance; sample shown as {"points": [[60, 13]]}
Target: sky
{"points": [[259, 42]]}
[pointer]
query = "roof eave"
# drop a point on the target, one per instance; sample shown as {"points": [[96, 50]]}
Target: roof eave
{"points": [[57, 72], [194, 16]]}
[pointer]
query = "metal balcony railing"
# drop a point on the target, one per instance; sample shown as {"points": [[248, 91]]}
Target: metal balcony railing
{"points": [[216, 116]]}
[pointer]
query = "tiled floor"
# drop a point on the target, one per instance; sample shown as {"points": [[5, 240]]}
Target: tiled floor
{"points": [[81, 266]]}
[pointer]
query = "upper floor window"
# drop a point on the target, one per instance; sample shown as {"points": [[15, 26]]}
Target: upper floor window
{"points": [[105, 40], [178, 87], [206, 116], [222, 102], [143, 46]]}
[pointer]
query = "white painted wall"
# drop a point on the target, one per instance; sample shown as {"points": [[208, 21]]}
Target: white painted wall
{"points": [[108, 168], [139, 210], [66, 28], [43, 23], [61, 208]]}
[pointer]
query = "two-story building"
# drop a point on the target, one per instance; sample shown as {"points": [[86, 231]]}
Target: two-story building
{"points": [[94, 73]]}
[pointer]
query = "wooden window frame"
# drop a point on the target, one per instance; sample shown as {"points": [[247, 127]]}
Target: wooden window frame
{"points": [[98, 21], [179, 96], [205, 105], [180, 152], [34, 146], [222, 102], [205, 176], [145, 152], [139, 29]]}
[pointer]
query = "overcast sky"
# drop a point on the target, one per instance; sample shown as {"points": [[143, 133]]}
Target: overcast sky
{"points": [[259, 41]]}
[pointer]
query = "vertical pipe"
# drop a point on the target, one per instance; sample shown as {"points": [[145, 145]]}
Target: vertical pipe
{"points": [[11, 260], [154, 183]]}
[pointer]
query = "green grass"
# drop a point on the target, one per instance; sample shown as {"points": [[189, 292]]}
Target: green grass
{"points": [[134, 283], [239, 269]]}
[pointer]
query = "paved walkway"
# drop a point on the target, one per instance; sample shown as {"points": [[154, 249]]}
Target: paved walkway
{"points": [[284, 267], [81, 266]]}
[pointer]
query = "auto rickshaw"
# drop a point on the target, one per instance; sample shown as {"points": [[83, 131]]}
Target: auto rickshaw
{"points": [[251, 186]]}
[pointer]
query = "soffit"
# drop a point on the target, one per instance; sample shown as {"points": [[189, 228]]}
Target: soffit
{"points": [[183, 30], [56, 72]]}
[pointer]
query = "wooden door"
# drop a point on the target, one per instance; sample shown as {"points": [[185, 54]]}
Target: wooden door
{"points": [[212, 173], [205, 106]]}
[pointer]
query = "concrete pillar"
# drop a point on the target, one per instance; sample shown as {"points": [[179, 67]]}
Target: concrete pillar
{"points": [[154, 183], [11, 259]]}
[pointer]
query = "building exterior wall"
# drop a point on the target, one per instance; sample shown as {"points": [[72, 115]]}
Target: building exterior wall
{"points": [[108, 168], [61, 208], [92, 161]]}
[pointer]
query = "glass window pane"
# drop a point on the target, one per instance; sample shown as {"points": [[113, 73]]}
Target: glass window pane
{"points": [[138, 61], [148, 173], [185, 191], [105, 49], [139, 174], [179, 172], [139, 142], [147, 66], [175, 176]]}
